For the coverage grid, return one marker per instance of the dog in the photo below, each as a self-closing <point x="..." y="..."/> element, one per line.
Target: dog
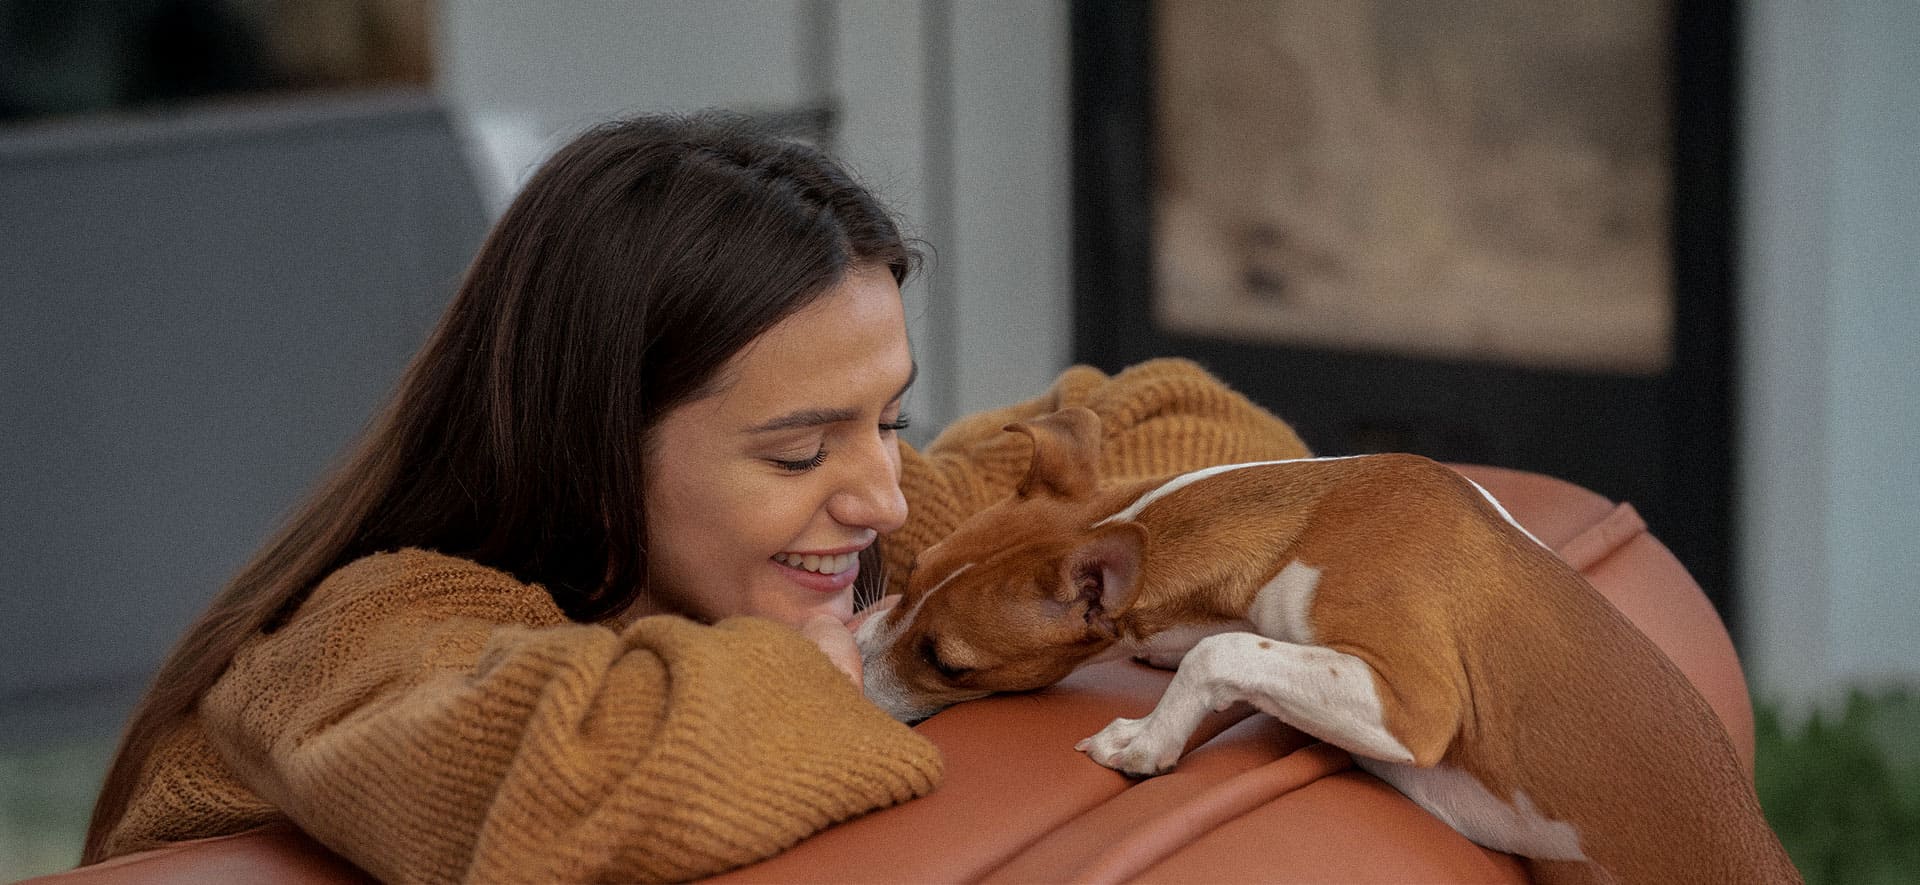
<point x="1381" y="603"/>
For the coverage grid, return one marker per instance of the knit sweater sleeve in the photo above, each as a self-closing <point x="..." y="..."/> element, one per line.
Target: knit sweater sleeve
<point x="433" y="720"/>
<point x="1159" y="417"/>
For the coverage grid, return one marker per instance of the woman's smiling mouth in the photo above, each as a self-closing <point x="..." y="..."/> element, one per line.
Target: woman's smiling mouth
<point x="832" y="564"/>
<point x="821" y="573"/>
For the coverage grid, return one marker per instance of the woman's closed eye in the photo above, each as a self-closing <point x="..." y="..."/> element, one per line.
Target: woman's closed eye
<point x="801" y="465"/>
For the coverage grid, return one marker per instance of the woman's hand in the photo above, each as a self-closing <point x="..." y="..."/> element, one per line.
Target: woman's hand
<point x="836" y="641"/>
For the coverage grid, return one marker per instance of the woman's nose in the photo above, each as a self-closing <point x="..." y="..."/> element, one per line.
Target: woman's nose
<point x="871" y="497"/>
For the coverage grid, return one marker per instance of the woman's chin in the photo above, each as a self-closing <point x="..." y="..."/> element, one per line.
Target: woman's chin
<point x="803" y="594"/>
<point x="795" y="606"/>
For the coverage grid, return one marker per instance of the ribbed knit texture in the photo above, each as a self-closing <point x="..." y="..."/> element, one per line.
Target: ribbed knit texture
<point x="433" y="720"/>
<point x="1159" y="417"/>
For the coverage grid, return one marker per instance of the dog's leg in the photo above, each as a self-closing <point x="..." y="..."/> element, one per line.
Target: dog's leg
<point x="1328" y="694"/>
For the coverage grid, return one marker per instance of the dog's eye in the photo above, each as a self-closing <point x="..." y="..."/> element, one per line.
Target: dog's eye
<point x="931" y="651"/>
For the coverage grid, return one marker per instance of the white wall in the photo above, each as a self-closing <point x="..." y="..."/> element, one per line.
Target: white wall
<point x="1830" y="503"/>
<point x="956" y="113"/>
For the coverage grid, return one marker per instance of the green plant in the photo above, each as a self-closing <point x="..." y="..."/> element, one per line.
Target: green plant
<point x="1844" y="793"/>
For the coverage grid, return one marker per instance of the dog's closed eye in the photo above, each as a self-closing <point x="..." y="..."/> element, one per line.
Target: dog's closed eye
<point x="930" y="650"/>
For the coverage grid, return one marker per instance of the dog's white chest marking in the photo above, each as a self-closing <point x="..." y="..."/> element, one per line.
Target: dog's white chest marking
<point x="1281" y="606"/>
<point x="1468" y="806"/>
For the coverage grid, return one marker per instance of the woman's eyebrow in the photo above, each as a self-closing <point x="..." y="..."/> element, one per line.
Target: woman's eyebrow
<point x="820" y="417"/>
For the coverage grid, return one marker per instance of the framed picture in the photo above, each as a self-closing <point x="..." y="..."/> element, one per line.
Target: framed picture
<point x="1491" y="232"/>
<point x="1467" y="181"/>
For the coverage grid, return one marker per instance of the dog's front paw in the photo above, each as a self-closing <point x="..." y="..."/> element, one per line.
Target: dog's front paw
<point x="1131" y="746"/>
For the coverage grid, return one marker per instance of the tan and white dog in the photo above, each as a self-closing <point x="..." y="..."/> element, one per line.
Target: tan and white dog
<point x="1384" y="604"/>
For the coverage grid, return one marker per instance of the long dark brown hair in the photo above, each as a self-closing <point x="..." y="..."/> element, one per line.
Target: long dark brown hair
<point x="631" y="267"/>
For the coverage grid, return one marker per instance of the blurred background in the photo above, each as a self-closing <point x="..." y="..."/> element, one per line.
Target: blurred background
<point x="1667" y="251"/>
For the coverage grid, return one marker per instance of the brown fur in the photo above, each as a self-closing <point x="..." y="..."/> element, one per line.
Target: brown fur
<point x="1489" y="653"/>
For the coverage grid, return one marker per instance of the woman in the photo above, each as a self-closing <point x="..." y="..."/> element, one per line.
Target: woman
<point x="579" y="448"/>
<point x="574" y="607"/>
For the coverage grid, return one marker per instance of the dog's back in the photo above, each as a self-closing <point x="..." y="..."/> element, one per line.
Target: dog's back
<point x="1560" y="699"/>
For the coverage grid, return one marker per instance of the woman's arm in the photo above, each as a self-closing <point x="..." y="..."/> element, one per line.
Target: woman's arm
<point x="431" y="719"/>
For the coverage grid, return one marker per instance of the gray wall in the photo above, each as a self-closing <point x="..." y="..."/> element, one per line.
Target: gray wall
<point x="1830" y="496"/>
<point x="200" y="311"/>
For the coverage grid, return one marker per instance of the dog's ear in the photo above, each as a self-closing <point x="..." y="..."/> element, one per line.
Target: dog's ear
<point x="1066" y="453"/>
<point x="1103" y="573"/>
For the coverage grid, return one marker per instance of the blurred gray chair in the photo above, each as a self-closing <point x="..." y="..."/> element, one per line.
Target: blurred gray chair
<point x="201" y="308"/>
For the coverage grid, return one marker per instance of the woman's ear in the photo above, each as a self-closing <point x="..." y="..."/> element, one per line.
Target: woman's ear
<point x="1066" y="453"/>
<point x="1103" y="574"/>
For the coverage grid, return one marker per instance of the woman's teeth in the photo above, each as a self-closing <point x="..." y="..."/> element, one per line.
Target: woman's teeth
<point x="826" y="565"/>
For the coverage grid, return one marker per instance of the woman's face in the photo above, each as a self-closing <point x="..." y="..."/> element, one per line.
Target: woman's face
<point x="760" y="497"/>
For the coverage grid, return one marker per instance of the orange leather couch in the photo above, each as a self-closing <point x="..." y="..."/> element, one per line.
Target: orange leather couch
<point x="1253" y="801"/>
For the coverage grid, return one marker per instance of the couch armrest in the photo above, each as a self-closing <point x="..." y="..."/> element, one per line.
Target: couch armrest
<point x="279" y="853"/>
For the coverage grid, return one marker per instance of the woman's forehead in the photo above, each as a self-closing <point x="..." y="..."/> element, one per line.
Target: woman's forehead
<point x="847" y="349"/>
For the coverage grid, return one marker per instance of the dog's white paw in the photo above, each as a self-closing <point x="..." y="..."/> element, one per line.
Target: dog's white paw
<point x="1131" y="746"/>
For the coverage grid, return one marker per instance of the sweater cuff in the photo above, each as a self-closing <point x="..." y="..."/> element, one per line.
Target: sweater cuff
<point x="784" y="746"/>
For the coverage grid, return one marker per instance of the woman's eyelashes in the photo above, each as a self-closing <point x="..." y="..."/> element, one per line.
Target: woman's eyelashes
<point x="802" y="465"/>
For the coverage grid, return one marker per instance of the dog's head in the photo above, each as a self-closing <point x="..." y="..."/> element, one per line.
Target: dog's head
<point x="1019" y="595"/>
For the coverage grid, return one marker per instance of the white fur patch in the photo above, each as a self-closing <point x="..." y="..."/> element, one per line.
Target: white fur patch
<point x="1281" y="606"/>
<point x="1186" y="479"/>
<point x="1468" y="806"/>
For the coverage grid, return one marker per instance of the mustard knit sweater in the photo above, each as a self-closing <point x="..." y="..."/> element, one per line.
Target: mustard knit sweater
<point x="434" y="720"/>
